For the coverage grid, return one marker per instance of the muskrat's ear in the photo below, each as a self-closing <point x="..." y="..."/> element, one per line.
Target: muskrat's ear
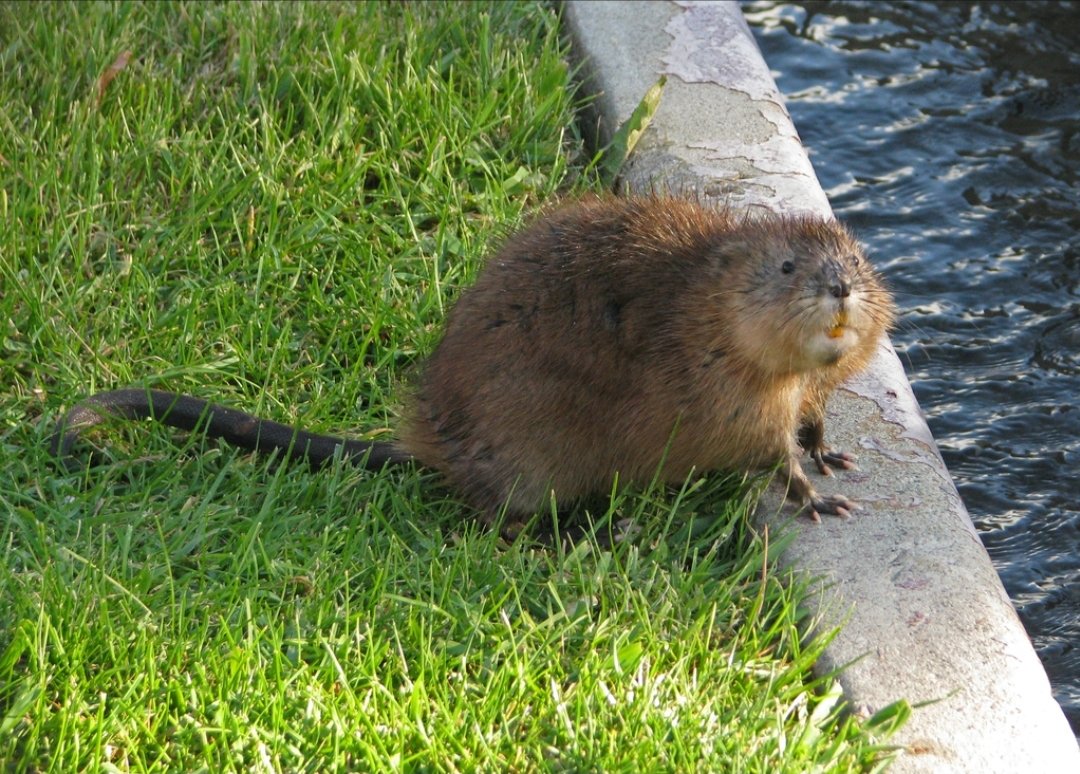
<point x="725" y="251"/>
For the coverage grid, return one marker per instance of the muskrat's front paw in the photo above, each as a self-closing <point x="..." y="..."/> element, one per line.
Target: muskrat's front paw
<point x="825" y="457"/>
<point x="837" y="505"/>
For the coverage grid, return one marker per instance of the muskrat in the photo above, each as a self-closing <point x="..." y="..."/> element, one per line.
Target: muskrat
<point x="630" y="337"/>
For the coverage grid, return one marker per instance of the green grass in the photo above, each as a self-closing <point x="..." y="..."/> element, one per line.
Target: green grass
<point x="274" y="206"/>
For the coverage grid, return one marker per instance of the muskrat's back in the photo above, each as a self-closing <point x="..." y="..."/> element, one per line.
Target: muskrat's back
<point x="634" y="336"/>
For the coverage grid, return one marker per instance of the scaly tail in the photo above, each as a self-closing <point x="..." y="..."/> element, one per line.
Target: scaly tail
<point x="236" y="427"/>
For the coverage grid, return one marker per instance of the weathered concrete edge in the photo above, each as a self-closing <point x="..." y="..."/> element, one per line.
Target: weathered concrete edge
<point x="924" y="615"/>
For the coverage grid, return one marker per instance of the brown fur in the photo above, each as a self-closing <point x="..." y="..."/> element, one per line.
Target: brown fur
<point x="612" y="337"/>
<point x="616" y="336"/>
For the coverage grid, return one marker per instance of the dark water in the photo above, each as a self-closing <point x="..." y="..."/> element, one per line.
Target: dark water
<point x="948" y="136"/>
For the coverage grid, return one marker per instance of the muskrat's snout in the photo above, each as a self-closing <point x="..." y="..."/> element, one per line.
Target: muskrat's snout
<point x="833" y="328"/>
<point x="836" y="279"/>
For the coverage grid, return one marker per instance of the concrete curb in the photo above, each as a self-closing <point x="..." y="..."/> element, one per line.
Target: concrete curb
<point x="924" y="615"/>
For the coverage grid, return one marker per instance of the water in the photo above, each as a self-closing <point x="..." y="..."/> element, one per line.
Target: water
<point x="948" y="136"/>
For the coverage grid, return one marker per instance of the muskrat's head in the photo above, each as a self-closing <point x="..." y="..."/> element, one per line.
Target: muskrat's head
<point x="805" y="296"/>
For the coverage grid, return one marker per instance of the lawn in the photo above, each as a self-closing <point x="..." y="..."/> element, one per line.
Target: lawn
<point x="273" y="206"/>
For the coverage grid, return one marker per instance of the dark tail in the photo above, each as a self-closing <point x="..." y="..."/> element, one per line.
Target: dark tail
<point x="236" y="427"/>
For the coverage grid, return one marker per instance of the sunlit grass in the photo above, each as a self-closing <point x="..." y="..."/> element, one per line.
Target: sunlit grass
<point x="273" y="205"/>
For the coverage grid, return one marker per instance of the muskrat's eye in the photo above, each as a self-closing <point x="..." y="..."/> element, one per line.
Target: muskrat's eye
<point x="787" y="267"/>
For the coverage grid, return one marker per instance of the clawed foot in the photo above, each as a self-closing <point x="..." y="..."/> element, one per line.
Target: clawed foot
<point x="837" y="505"/>
<point x="825" y="457"/>
<point x="802" y="491"/>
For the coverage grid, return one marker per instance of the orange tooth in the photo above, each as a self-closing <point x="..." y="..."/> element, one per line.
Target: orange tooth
<point x="839" y="322"/>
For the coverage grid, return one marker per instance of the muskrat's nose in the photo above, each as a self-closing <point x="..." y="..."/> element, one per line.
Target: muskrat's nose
<point x="835" y="280"/>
